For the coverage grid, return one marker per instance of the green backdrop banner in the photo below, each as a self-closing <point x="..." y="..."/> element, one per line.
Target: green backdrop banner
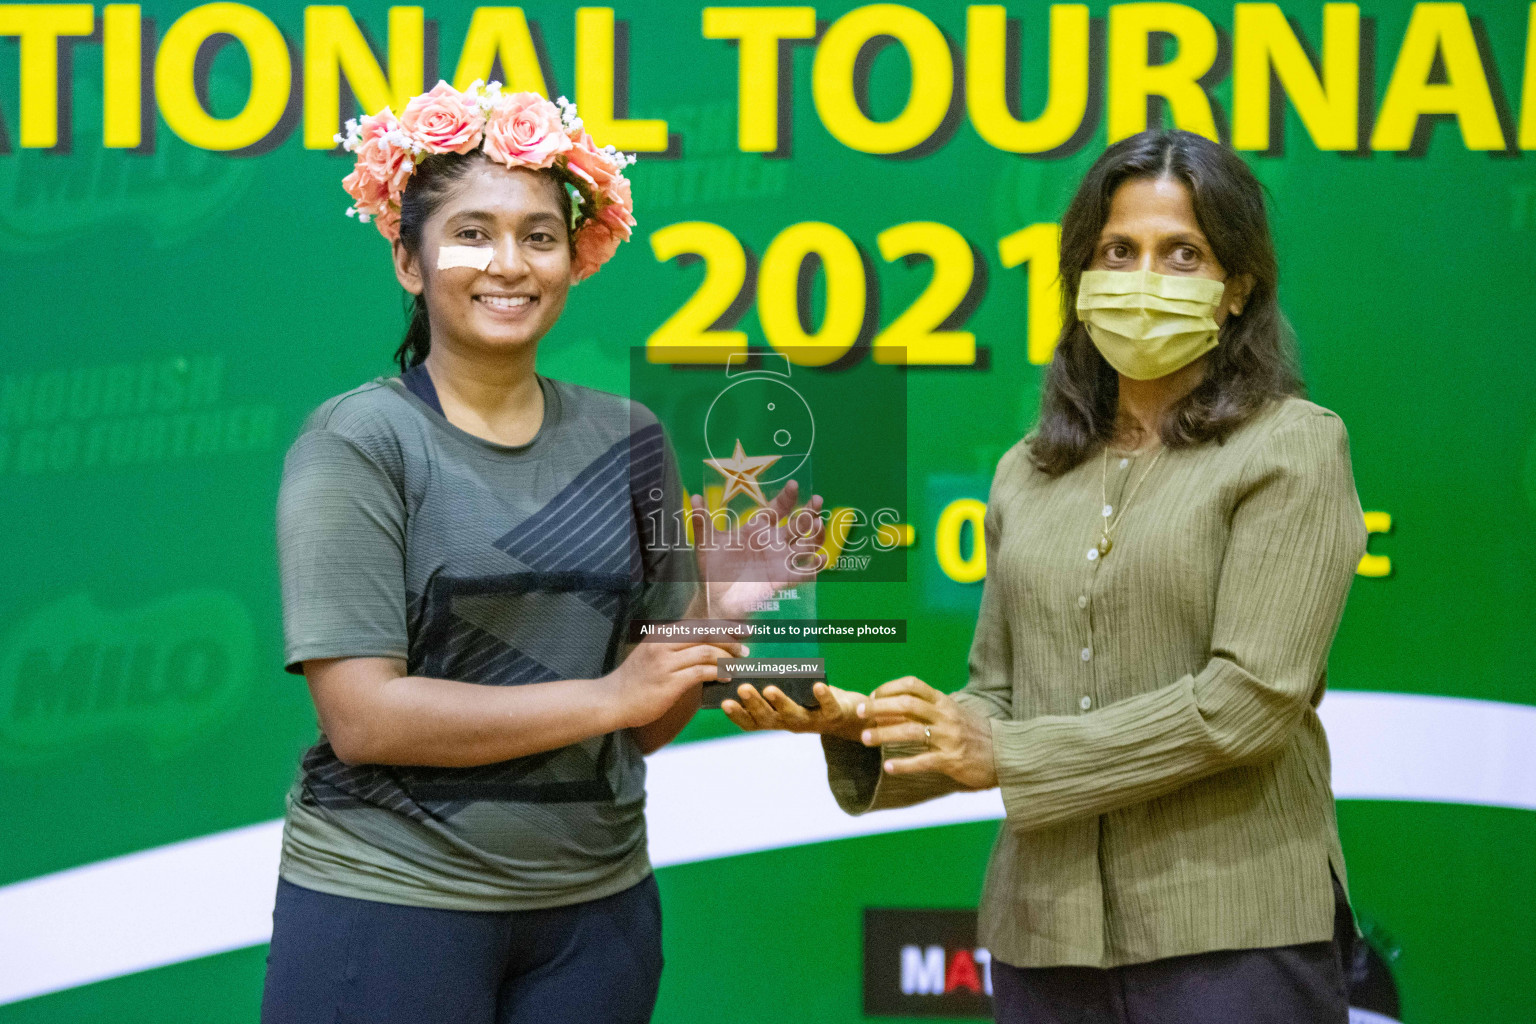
<point x="181" y="287"/>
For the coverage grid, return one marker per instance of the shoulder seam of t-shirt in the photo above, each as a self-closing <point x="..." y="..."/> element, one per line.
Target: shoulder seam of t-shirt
<point x="361" y="389"/>
<point x="375" y="385"/>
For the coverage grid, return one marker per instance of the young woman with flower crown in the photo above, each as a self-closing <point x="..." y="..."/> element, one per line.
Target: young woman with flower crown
<point x="462" y="550"/>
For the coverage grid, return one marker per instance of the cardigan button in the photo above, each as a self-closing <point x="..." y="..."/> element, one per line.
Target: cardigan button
<point x="1085" y="703"/>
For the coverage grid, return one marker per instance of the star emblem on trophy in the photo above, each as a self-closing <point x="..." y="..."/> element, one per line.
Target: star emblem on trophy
<point x="741" y="472"/>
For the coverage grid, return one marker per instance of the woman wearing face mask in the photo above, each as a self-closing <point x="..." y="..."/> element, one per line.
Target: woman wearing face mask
<point x="462" y="549"/>
<point x="1168" y="555"/>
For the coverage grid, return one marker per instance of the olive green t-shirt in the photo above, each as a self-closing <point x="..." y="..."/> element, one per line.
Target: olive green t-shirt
<point x="401" y="536"/>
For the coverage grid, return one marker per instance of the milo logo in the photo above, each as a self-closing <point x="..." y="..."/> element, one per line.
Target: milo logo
<point x="172" y="191"/>
<point x="73" y="674"/>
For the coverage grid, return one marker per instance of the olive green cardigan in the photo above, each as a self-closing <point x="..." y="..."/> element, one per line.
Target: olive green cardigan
<point x="1154" y="723"/>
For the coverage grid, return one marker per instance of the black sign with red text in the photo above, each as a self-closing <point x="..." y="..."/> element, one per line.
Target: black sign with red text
<point x="925" y="963"/>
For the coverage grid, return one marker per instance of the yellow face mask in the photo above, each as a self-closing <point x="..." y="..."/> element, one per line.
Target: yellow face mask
<point x="1148" y="325"/>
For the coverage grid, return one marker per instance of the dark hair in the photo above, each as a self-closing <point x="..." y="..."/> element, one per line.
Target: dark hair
<point x="1254" y="361"/>
<point x="429" y="186"/>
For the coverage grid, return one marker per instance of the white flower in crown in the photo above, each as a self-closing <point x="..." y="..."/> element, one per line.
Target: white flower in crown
<point x="485" y="95"/>
<point x="349" y="138"/>
<point x="618" y="156"/>
<point x="568" y="116"/>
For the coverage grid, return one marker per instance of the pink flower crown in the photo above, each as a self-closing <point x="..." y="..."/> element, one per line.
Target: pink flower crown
<point x="520" y="129"/>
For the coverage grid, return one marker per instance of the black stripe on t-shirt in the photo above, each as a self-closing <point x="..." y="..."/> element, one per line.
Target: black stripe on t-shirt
<point x="419" y="383"/>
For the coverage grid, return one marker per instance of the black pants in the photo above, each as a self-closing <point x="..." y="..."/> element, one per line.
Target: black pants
<point x="1301" y="984"/>
<point x="337" y="960"/>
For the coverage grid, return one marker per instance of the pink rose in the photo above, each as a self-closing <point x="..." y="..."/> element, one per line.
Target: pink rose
<point x="383" y="164"/>
<point x="370" y="194"/>
<point x="616" y="207"/>
<point x="388" y="163"/>
<point x="590" y="164"/>
<point x="596" y="243"/>
<point x="388" y="222"/>
<point x="617" y="218"/>
<point x="524" y="131"/>
<point x="444" y="120"/>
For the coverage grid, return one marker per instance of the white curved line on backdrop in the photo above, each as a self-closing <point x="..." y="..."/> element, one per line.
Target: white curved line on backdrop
<point x="1359" y="1016"/>
<point x="717" y="798"/>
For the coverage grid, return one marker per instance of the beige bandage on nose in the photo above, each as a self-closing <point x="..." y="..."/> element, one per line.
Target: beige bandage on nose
<point x="476" y="257"/>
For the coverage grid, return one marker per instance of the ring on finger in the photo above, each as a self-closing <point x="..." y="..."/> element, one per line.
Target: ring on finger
<point x="927" y="735"/>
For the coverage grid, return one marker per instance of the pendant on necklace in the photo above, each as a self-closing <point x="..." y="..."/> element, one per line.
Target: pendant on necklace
<point x="1105" y="544"/>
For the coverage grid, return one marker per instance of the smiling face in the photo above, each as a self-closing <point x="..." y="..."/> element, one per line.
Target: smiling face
<point x="1152" y="226"/>
<point x="513" y="302"/>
